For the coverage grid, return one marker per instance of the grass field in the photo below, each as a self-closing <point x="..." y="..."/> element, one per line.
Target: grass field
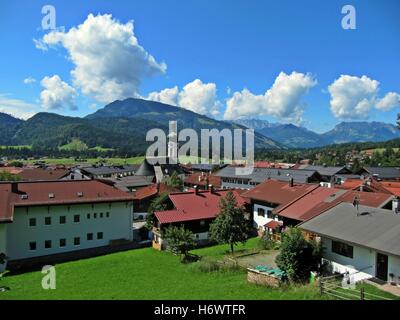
<point x="149" y="274"/>
<point x="146" y="274"/>
<point x="72" y="161"/>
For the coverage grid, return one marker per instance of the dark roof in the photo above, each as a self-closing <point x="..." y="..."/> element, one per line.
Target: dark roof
<point x="125" y="183"/>
<point x="327" y="171"/>
<point x="62" y="192"/>
<point x="384" y="172"/>
<point x="261" y="174"/>
<point x="145" y="169"/>
<point x="378" y="229"/>
<point x="103" y="170"/>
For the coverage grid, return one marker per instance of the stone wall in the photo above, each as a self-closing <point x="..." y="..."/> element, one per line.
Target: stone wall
<point x="253" y="276"/>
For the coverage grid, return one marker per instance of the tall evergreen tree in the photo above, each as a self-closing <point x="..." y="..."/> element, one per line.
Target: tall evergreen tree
<point x="231" y="225"/>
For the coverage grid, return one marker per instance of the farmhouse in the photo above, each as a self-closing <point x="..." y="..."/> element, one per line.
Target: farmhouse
<point x="195" y="210"/>
<point x="363" y="241"/>
<point x="50" y="218"/>
<point x="268" y="197"/>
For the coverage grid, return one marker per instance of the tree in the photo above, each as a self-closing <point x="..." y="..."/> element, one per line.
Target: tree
<point x="174" y="181"/>
<point x="179" y="239"/>
<point x="230" y="226"/>
<point x="6" y="176"/>
<point x="3" y="259"/>
<point x="298" y="256"/>
<point x="157" y="204"/>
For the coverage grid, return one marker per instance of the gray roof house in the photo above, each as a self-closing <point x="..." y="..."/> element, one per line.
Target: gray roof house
<point x="229" y="178"/>
<point x="327" y="172"/>
<point x="385" y="173"/>
<point x="364" y="241"/>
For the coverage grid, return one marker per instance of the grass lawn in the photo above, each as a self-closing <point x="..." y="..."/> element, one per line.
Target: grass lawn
<point x="146" y="274"/>
<point x="89" y="161"/>
<point x="150" y="274"/>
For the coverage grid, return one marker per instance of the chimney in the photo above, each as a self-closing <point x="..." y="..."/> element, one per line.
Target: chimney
<point x="396" y="205"/>
<point x="196" y="190"/>
<point x="211" y="188"/>
<point x="291" y="182"/>
<point x="14" y="187"/>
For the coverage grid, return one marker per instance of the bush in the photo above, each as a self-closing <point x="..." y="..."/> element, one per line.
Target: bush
<point x="265" y="242"/>
<point x="209" y="264"/>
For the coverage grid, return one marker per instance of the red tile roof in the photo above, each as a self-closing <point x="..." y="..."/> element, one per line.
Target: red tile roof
<point x="322" y="199"/>
<point x="192" y="206"/>
<point x="391" y="186"/>
<point x="273" y="224"/>
<point x="39" y="174"/>
<point x="351" y="184"/>
<point x="152" y="190"/>
<point x="63" y="192"/>
<point x="278" y="192"/>
<point x="202" y="179"/>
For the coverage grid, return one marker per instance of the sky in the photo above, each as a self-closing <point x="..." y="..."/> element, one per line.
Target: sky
<point x="282" y="61"/>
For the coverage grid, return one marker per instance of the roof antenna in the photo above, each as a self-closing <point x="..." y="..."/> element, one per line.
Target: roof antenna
<point x="356" y="202"/>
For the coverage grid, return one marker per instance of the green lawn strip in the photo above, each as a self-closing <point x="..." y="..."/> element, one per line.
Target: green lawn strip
<point x="144" y="274"/>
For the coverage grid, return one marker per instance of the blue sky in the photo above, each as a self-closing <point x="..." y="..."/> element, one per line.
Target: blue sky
<point x="227" y="45"/>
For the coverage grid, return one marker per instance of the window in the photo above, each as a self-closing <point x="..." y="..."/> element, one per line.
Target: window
<point x="101" y="214"/>
<point x="32" y="245"/>
<point x="63" y="219"/>
<point x="88" y="216"/>
<point x="202" y="223"/>
<point x="99" y="235"/>
<point x="89" y="236"/>
<point x="269" y="214"/>
<point x="95" y="215"/>
<point x="77" y="241"/>
<point x="47" y="221"/>
<point x="47" y="244"/>
<point x="261" y="212"/>
<point x="77" y="218"/>
<point x="107" y="214"/>
<point x="342" y="248"/>
<point x="63" y="243"/>
<point x="32" y="222"/>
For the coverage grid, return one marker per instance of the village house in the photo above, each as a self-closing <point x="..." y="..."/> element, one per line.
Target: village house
<point x="268" y="197"/>
<point x="381" y="173"/>
<point x="98" y="172"/>
<point x="327" y="173"/>
<point x="195" y="210"/>
<point x="230" y="180"/>
<point x="361" y="240"/>
<point x="202" y="181"/>
<point x="53" y="218"/>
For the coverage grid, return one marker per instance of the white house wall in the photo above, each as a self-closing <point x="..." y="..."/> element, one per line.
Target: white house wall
<point x="19" y="233"/>
<point x="3" y="242"/>
<point x="260" y="221"/>
<point x="363" y="264"/>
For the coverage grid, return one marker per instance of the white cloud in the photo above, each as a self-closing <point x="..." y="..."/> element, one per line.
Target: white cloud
<point x="109" y="62"/>
<point x="17" y="108"/>
<point x="29" y="80"/>
<point x="283" y="100"/>
<point x="353" y="97"/>
<point x="168" y="96"/>
<point x="388" y="102"/>
<point x="196" y="96"/>
<point x="57" y="94"/>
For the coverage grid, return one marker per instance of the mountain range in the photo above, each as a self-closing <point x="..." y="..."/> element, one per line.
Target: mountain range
<point x="122" y="126"/>
<point x="294" y="136"/>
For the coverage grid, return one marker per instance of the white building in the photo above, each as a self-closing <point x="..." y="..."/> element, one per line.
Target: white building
<point x="363" y="241"/>
<point x="46" y="218"/>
